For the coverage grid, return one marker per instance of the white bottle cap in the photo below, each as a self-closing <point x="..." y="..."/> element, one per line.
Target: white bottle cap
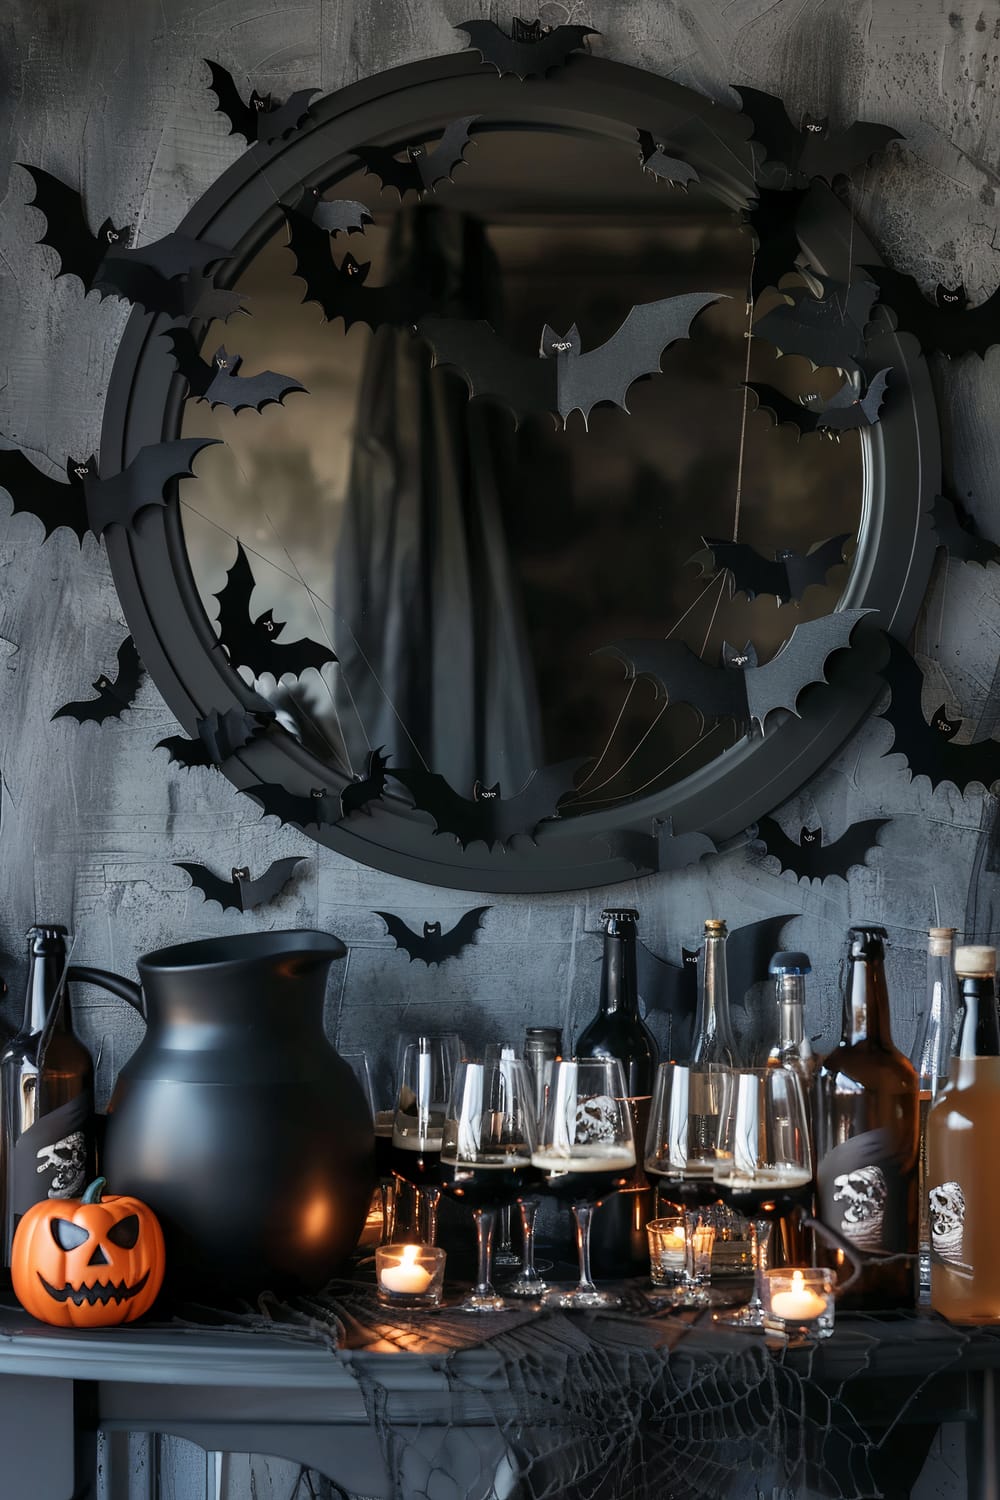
<point x="940" y="939"/>
<point x="975" y="961"/>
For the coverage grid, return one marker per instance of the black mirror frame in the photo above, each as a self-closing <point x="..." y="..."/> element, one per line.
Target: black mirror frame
<point x="901" y="475"/>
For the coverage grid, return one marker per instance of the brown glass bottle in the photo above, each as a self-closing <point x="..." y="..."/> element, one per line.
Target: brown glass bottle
<point x="867" y="1130"/>
<point x="961" y="1156"/>
<point x="619" y="1244"/>
<point x="46" y="1092"/>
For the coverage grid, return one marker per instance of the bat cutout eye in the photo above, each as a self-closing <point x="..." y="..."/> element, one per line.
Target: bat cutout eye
<point x="241" y="872"/>
<point x="68" y="1236"/>
<point x="101" y="684"/>
<point x="811" y="835"/>
<point x="318" y="792"/>
<point x="125" y="1233"/>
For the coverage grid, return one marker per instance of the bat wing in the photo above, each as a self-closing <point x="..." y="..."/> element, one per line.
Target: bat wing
<point x="537" y="801"/>
<point x="222" y="734"/>
<point x="801" y="661"/>
<point x="112" y="696"/>
<point x="927" y="751"/>
<point x="836" y="155"/>
<point x="670" y="990"/>
<point x="790" y="856"/>
<point x="276" y="123"/>
<point x="270" y="884"/>
<point x="717" y="692"/>
<point x="773" y="223"/>
<point x="213" y="887"/>
<point x="555" y="46"/>
<point x="367" y="788"/>
<point x="826" y="331"/>
<point x="188" y="361"/>
<point x="248" y="641"/>
<point x="290" y="658"/>
<point x="185" y="752"/>
<point x="814" y="566"/>
<point x="665" y="168"/>
<point x="525" y="59"/>
<point x="852" y="848"/>
<point x="449" y="152"/>
<point x="489" y="367"/>
<point x="340" y="216"/>
<point x="635" y="350"/>
<point x="934" y="327"/>
<point x="412" y="943"/>
<point x="404" y="176"/>
<point x="126" y="683"/>
<point x="953" y="531"/>
<point x="143" y="482"/>
<point x="752" y="573"/>
<point x="234" y="605"/>
<point x="318" y="810"/>
<point x="53" y="502"/>
<point x="772" y="128"/>
<point x="749" y="950"/>
<point x="173" y="255"/>
<point x="229" y="388"/>
<point x="66" y="229"/>
<point x="199" y="297"/>
<point x="492" y="820"/>
<point x="783" y="409"/>
<point x="450" y="944"/>
<point x="243" y="119"/>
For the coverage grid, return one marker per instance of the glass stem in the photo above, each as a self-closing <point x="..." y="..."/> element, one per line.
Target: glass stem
<point x="583" y="1213"/>
<point x="760" y="1240"/>
<point x="431" y="1198"/>
<point x="485" y="1223"/>
<point x="505" y="1243"/>
<point x="529" y="1209"/>
<point x="692" y="1217"/>
<point x="387" y="1198"/>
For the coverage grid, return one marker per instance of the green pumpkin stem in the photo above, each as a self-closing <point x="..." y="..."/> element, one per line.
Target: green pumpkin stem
<point x="93" y="1193"/>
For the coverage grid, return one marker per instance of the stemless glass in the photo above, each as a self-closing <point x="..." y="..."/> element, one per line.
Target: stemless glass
<point x="486" y="1157"/>
<point x="763" y="1162"/>
<point x="586" y="1149"/>
<point x="680" y="1153"/>
<point x="425" y="1080"/>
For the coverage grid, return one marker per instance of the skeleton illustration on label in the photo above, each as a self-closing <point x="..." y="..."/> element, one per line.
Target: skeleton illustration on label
<point x="863" y="1194"/>
<point x="947" y="1206"/>
<point x="67" y="1161"/>
<point x="596" y="1120"/>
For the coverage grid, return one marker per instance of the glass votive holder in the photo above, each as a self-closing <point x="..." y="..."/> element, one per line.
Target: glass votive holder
<point x="667" y="1250"/>
<point x="800" y="1302"/>
<point x="409" y="1275"/>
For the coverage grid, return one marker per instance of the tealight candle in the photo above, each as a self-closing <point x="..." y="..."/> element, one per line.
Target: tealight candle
<point x="800" y="1301"/>
<point x="799" y="1305"/>
<point x="409" y="1275"/>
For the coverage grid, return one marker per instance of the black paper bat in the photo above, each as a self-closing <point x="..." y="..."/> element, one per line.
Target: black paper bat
<point x="365" y="789"/>
<point x="827" y="330"/>
<point x="845" y="411"/>
<point x="159" y="277"/>
<point x="787" y="575"/>
<point x="957" y="531"/>
<point x="812" y="151"/>
<point x="334" y="215"/>
<point x="434" y="946"/>
<point x="341" y="291"/>
<point x="948" y="324"/>
<point x="220" y="735"/>
<point x="529" y="51"/>
<point x="663" y="850"/>
<point x="749" y="950"/>
<point x="240" y="893"/>
<point x="928" y="748"/>
<point x="488" y="817"/>
<point x="113" y="697"/>
<point x="422" y="170"/>
<point x="563" y="379"/>
<point x="812" y="858"/>
<point x="739" y="688"/>
<point x="219" y="382"/>
<point x="658" y="163"/>
<point x="253" y="642"/>
<point x="772" y="222"/>
<point x="318" y="809"/>
<point x="262" y="118"/>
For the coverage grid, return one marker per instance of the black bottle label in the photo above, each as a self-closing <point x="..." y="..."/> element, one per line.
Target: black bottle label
<point x="863" y="1187"/>
<point x="53" y="1157"/>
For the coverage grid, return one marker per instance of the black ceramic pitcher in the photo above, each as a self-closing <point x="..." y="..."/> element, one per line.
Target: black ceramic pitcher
<point x="236" y="1120"/>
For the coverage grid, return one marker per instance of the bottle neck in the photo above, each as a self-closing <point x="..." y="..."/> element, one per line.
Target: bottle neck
<point x="791" y="995"/>
<point x="980" y="1035"/>
<point x="713" y="1031"/>
<point x="619" y="984"/>
<point x="936" y="1039"/>
<point x="46" y="988"/>
<point x="866" y="1003"/>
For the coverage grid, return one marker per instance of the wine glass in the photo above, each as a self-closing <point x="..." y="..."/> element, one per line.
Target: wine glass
<point x="489" y="1137"/>
<point x="586" y="1149"/>
<point x="425" y="1079"/>
<point x="680" y="1152"/>
<point x="382" y="1121"/>
<point x="763" y="1161"/>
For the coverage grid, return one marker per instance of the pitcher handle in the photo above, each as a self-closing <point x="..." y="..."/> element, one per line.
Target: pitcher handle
<point x="125" y="989"/>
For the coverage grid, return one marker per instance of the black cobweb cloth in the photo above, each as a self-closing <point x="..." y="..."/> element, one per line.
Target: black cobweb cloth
<point x="629" y="1404"/>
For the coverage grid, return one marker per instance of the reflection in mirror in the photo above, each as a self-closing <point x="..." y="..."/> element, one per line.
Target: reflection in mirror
<point x="465" y="570"/>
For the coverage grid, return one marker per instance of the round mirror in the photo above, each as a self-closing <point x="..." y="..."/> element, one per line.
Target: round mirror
<point x="406" y="561"/>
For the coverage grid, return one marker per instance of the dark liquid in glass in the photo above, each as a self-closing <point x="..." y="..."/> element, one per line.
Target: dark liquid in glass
<point x="588" y="1179"/>
<point x="383" y="1144"/>
<point x="693" y="1190"/>
<point x="422" y="1167"/>
<point x="766" y="1201"/>
<point x="489" y="1183"/>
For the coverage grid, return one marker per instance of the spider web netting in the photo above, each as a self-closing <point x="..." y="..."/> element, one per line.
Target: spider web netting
<point x="628" y="1405"/>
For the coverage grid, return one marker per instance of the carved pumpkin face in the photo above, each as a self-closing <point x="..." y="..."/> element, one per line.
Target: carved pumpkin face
<point x="88" y="1262"/>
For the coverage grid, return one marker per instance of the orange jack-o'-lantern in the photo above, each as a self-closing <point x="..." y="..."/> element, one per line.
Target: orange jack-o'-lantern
<point x="88" y="1262"/>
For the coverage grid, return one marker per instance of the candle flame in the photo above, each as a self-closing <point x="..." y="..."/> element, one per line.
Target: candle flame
<point x="798" y="1281"/>
<point x="410" y="1253"/>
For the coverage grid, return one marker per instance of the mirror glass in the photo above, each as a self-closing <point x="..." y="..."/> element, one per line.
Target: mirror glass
<point x="467" y="571"/>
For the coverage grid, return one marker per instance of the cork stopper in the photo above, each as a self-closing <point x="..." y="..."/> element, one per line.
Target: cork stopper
<point x="975" y="962"/>
<point x="714" y="926"/>
<point x="940" y="940"/>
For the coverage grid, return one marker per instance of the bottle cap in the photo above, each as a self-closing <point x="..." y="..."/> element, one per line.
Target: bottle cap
<point x="46" y="930"/>
<point x="790" y="963"/>
<point x="866" y="941"/>
<point x="975" y="962"/>
<point x="543" y="1033"/>
<point x="613" y="912"/>
<point x="714" y="924"/>
<point x="940" y="939"/>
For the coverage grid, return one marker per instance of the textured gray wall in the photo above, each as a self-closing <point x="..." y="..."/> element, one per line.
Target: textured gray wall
<point x="112" y="95"/>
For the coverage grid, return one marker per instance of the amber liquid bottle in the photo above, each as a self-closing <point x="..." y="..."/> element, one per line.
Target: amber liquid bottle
<point x="47" y="1093"/>
<point x="962" y="1156"/>
<point x="619" y="1244"/>
<point x="867" y="1136"/>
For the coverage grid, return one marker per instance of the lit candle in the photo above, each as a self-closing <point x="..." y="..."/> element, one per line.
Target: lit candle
<point x="799" y="1304"/>
<point x="407" y="1276"/>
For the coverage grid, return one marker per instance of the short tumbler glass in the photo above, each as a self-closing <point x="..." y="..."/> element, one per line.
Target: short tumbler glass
<point x="409" y="1275"/>
<point x="799" y="1303"/>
